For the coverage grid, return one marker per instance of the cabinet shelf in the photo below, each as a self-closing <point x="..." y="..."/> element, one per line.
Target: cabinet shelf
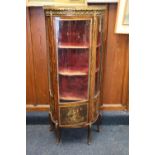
<point x="71" y="98"/>
<point x="73" y="72"/>
<point x="73" y="46"/>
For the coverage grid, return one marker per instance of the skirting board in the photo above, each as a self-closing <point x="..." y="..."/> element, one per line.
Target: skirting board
<point x="105" y="107"/>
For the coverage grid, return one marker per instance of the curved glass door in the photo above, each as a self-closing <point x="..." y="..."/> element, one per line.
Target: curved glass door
<point x="73" y="46"/>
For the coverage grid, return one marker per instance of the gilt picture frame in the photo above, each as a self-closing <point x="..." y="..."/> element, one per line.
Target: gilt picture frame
<point x="36" y="3"/>
<point x="122" y="18"/>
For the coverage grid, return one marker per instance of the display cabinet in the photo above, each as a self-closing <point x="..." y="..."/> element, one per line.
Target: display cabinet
<point x="75" y="45"/>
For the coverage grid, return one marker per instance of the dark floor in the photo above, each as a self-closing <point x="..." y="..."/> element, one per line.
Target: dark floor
<point x="113" y="138"/>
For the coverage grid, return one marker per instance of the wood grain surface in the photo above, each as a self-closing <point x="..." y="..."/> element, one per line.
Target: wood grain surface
<point x="115" y="65"/>
<point x="30" y="81"/>
<point x="39" y="60"/>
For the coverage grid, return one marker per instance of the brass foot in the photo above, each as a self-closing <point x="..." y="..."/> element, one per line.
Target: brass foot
<point x="89" y="135"/>
<point x="57" y="130"/>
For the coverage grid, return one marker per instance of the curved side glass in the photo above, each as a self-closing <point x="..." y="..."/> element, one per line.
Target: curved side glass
<point x="99" y="48"/>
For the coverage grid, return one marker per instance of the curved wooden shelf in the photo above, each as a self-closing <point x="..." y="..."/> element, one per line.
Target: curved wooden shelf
<point x="73" y="73"/>
<point x="71" y="98"/>
<point x="73" y="46"/>
<point x="76" y="46"/>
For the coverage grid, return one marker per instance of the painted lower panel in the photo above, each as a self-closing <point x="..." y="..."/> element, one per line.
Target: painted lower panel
<point x="73" y="115"/>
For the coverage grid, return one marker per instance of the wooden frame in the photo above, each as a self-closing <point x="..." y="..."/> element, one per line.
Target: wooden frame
<point x="55" y="2"/>
<point x="122" y="19"/>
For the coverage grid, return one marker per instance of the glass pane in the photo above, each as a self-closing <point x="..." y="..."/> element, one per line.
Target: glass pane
<point x="73" y="58"/>
<point x="98" y="54"/>
<point x="73" y="61"/>
<point x="73" y="32"/>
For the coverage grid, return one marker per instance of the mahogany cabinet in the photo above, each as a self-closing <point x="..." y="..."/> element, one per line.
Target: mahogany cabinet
<point x="74" y="44"/>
